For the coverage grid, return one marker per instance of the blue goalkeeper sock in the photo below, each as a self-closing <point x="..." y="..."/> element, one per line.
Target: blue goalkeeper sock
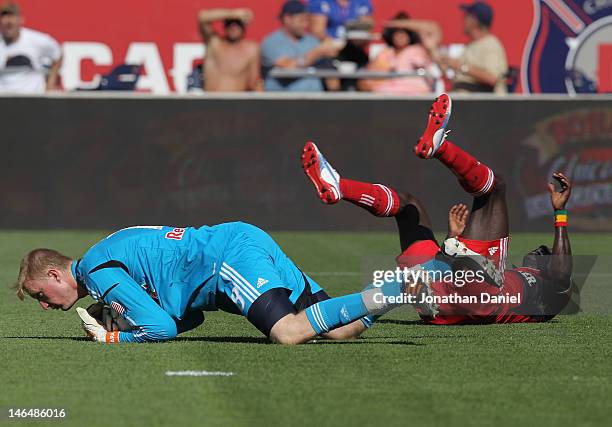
<point x="335" y="312"/>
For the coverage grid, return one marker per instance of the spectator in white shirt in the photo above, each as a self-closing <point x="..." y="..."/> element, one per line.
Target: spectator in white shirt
<point x="29" y="60"/>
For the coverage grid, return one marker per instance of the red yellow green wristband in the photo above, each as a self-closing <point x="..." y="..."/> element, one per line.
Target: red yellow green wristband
<point x="561" y="218"/>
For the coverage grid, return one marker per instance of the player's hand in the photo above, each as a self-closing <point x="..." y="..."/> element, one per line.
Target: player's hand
<point x="91" y="326"/>
<point x="560" y="198"/>
<point x="457" y="219"/>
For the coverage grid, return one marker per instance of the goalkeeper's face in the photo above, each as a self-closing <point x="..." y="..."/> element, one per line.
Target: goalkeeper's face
<point x="57" y="290"/>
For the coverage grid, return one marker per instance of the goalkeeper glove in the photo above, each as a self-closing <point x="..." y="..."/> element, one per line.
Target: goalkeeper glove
<point x="96" y="331"/>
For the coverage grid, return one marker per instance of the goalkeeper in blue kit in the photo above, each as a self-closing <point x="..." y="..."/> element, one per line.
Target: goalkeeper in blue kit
<point x="161" y="280"/>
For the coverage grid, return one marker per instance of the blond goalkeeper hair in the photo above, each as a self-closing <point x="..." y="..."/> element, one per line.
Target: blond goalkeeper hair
<point x="34" y="266"/>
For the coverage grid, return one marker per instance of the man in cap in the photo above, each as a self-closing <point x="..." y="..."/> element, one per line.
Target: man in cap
<point x="482" y="66"/>
<point x="232" y="62"/>
<point x="291" y="47"/>
<point x="29" y="60"/>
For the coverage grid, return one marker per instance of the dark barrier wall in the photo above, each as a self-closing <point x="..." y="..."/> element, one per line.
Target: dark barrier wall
<point x="107" y="163"/>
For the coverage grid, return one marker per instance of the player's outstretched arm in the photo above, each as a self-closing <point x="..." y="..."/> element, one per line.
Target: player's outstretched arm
<point x="560" y="265"/>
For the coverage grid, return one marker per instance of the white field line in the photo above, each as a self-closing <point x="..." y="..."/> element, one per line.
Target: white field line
<point x="199" y="374"/>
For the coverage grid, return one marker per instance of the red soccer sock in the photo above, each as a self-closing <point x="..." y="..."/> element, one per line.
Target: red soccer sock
<point x="378" y="199"/>
<point x="475" y="178"/>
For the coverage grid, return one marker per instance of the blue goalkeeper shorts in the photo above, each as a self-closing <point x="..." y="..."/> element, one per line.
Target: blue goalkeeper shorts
<point x="257" y="280"/>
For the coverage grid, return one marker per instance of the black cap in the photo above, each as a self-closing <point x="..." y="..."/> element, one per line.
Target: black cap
<point x="292" y="7"/>
<point x="481" y="11"/>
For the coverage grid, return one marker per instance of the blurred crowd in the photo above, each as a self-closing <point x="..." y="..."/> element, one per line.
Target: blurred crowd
<point x="319" y="45"/>
<point x="331" y="45"/>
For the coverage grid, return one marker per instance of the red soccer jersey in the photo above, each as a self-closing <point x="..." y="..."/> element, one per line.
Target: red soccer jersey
<point x="487" y="303"/>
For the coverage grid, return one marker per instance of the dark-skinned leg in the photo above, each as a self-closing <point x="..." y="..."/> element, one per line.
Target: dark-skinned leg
<point x="489" y="217"/>
<point x="412" y="220"/>
<point x="487" y="229"/>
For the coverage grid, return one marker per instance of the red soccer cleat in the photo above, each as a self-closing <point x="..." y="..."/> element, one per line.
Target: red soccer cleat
<point x="435" y="132"/>
<point x="324" y="177"/>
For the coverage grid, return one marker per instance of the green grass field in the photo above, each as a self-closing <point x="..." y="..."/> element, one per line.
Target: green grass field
<point x="400" y="373"/>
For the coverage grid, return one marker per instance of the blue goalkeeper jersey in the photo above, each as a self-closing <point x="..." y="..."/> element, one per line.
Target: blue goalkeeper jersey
<point x="159" y="278"/>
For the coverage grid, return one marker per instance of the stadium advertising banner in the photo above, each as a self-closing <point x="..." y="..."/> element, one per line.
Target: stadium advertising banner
<point x="105" y="163"/>
<point x="577" y="142"/>
<point x="559" y="46"/>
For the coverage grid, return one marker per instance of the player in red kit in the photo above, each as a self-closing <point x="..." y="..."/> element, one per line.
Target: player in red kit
<point x="535" y="292"/>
